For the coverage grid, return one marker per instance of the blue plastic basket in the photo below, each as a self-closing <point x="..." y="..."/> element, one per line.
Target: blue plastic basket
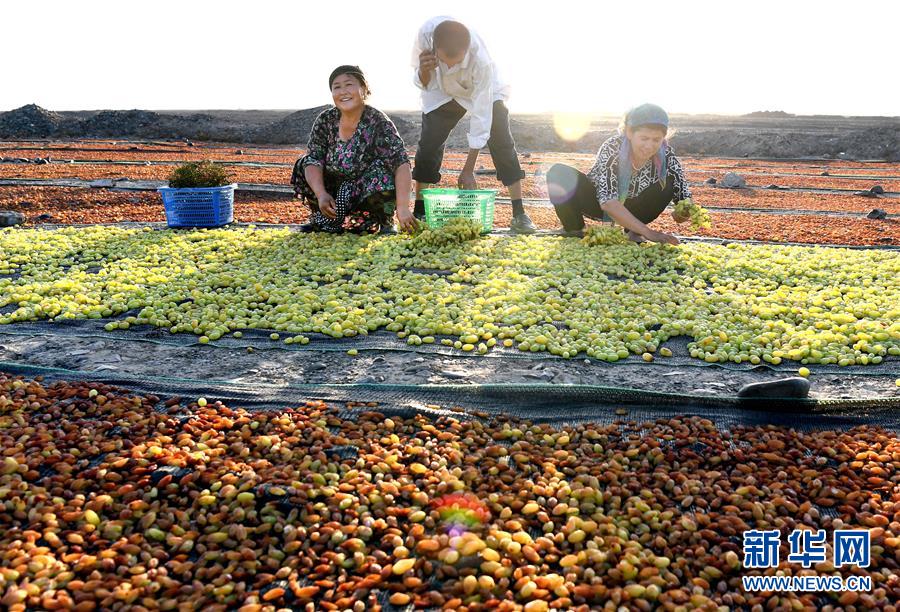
<point x="199" y="207"/>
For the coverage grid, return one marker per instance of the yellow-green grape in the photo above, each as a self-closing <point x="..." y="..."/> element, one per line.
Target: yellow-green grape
<point x="604" y="236"/>
<point x="740" y="303"/>
<point x="455" y="231"/>
<point x="698" y="215"/>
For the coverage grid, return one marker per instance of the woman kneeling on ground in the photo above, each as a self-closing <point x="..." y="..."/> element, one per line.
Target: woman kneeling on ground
<point x="636" y="175"/>
<point x="356" y="172"/>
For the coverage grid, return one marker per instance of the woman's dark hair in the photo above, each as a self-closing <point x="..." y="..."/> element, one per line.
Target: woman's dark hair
<point x="353" y="71"/>
<point x="452" y="38"/>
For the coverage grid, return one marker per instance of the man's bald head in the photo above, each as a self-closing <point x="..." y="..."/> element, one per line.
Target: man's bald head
<point x="452" y="39"/>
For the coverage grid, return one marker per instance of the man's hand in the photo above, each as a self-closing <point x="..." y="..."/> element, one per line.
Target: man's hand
<point x="467" y="180"/>
<point x="662" y="237"/>
<point x="428" y="61"/>
<point x="327" y="205"/>
<point x="408" y="222"/>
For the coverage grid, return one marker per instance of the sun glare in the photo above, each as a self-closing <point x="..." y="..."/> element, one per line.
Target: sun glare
<point x="571" y="126"/>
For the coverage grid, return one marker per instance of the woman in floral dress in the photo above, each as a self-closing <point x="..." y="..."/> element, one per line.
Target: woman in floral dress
<point x="356" y="172"/>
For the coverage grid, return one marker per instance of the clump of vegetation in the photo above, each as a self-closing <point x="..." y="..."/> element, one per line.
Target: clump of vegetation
<point x="199" y="174"/>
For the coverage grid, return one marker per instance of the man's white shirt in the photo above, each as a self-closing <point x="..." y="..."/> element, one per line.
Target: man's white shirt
<point x="474" y="83"/>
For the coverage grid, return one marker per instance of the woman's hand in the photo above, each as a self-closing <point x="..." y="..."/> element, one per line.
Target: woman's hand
<point x="407" y="221"/>
<point x="662" y="237"/>
<point x="403" y="182"/>
<point x="623" y="217"/>
<point x="327" y="205"/>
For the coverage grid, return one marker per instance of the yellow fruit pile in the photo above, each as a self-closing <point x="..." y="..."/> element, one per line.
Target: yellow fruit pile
<point x="604" y="235"/>
<point x="455" y="231"/>
<point x="739" y="303"/>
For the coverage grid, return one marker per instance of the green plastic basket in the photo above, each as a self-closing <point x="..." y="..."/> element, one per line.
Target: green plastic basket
<point x="477" y="205"/>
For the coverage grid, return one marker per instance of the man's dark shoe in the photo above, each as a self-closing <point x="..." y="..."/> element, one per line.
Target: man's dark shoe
<point x="522" y="224"/>
<point x="579" y="233"/>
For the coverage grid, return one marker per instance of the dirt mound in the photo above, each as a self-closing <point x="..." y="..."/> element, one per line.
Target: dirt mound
<point x="147" y="124"/>
<point x="773" y="134"/>
<point x="117" y="124"/>
<point x="870" y="143"/>
<point x="408" y="130"/>
<point x="293" y="129"/>
<point x="769" y="115"/>
<point x="30" y="121"/>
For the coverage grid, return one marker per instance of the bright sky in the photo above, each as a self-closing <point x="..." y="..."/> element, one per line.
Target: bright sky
<point x="828" y="57"/>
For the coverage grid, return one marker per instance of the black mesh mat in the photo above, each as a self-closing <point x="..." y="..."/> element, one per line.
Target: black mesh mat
<point x="560" y="405"/>
<point x="382" y="340"/>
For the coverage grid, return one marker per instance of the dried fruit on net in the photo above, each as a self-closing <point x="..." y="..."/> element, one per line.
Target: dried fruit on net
<point x="738" y="303"/>
<point x="697" y="214"/>
<point x="109" y="504"/>
<point x="604" y="235"/>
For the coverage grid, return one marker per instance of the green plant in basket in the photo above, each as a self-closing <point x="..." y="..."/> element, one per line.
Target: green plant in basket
<point x="194" y="175"/>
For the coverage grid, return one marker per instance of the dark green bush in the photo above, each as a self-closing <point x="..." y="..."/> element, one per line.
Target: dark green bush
<point x="199" y="174"/>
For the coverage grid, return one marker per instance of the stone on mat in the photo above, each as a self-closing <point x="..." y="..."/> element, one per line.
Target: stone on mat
<point x="9" y="218"/>
<point x="794" y="387"/>
<point x="733" y="181"/>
